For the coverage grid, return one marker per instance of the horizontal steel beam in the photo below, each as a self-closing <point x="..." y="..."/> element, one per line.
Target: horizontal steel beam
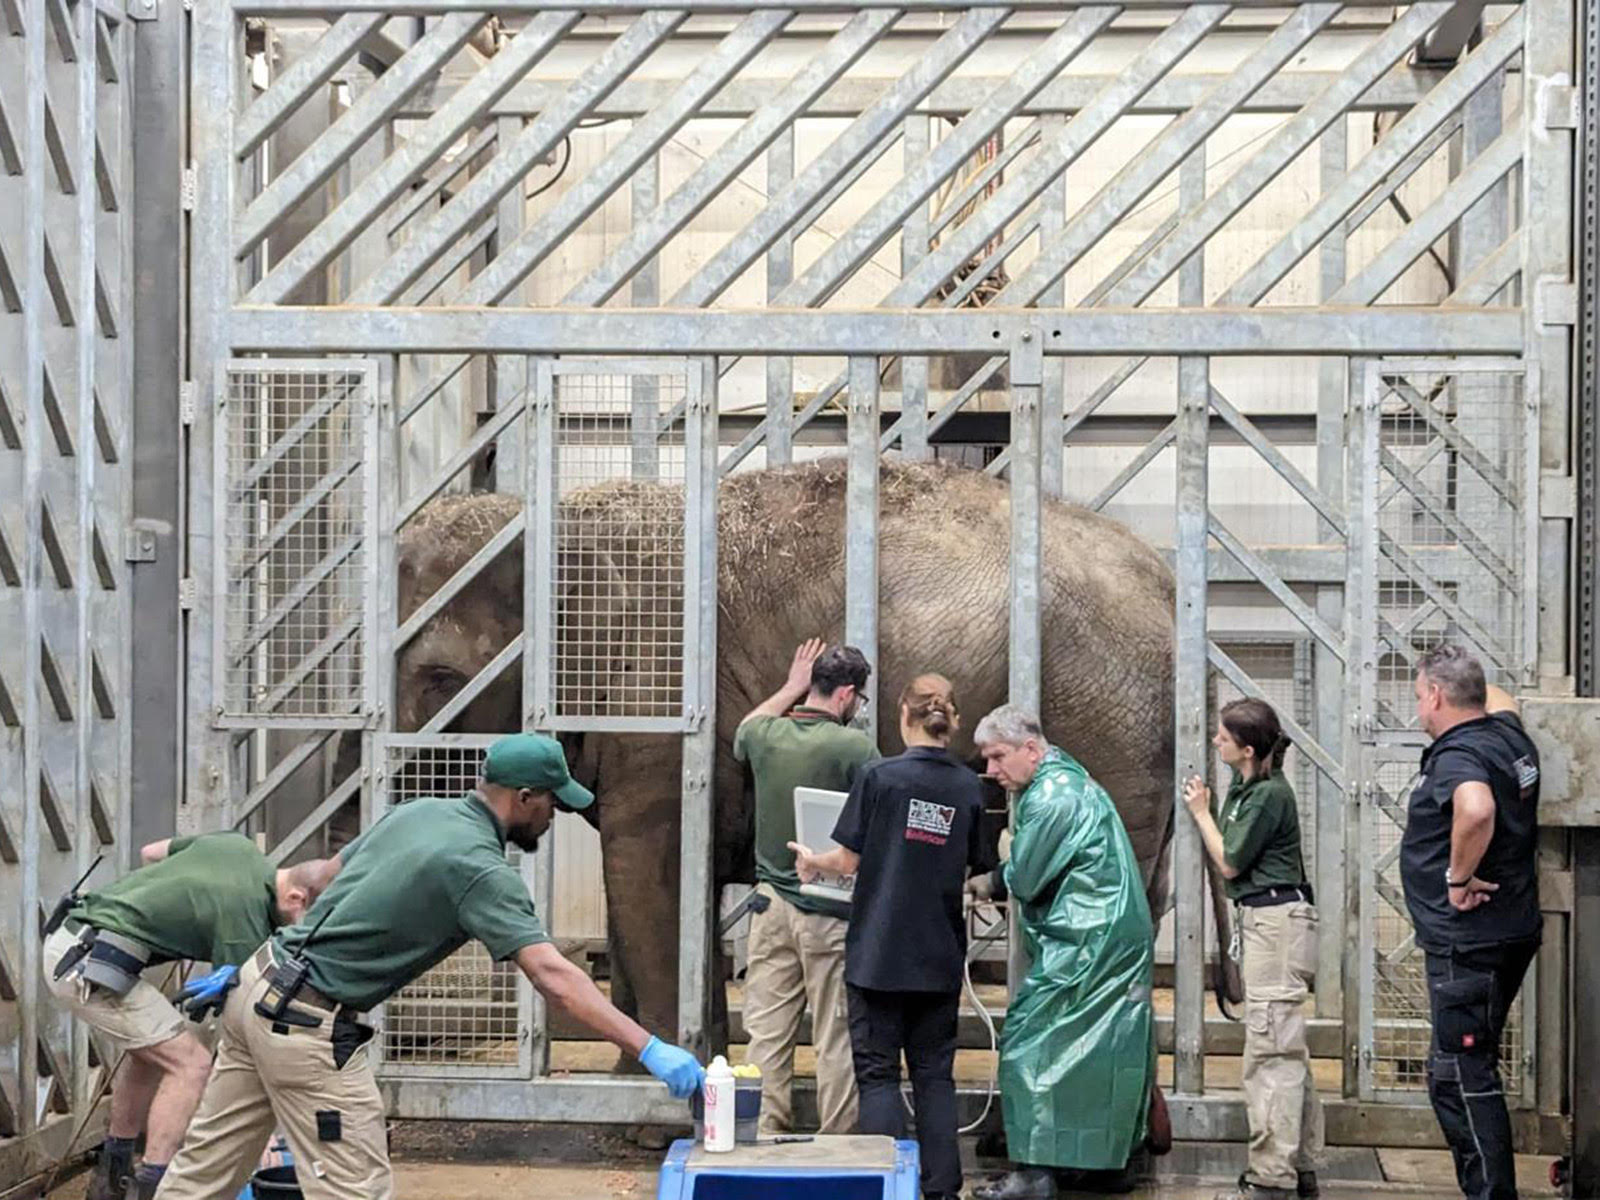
<point x="508" y="8"/>
<point x="1287" y="92"/>
<point x="1393" y="329"/>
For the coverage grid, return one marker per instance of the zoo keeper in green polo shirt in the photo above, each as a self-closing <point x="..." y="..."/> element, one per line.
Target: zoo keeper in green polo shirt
<point x="1254" y="838"/>
<point x="797" y="945"/>
<point x="414" y="888"/>
<point x="212" y="898"/>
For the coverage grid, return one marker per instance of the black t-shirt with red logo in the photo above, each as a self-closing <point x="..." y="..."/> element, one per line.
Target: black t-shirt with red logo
<point x="1497" y="751"/>
<point x="913" y="819"/>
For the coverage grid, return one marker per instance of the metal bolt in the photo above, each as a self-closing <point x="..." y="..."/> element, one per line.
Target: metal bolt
<point x="1027" y="335"/>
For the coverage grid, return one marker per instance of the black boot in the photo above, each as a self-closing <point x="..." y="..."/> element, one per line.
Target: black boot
<point x="111" y="1171"/>
<point x="1024" y="1183"/>
<point x="1307" y="1188"/>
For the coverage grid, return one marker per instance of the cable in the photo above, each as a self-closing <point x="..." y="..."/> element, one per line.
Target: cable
<point x="566" y="161"/>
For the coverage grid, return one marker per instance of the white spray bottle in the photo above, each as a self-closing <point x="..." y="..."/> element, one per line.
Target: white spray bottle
<point x="720" y="1106"/>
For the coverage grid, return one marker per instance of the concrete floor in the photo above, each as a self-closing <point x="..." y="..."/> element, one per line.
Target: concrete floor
<point x="1415" y="1174"/>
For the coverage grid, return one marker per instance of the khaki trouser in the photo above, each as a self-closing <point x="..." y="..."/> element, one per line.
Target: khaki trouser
<point x="269" y="1074"/>
<point x="796" y="959"/>
<point x="142" y="1018"/>
<point x="1280" y="960"/>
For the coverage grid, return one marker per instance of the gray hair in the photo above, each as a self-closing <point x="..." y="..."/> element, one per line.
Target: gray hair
<point x="1010" y="726"/>
<point x="1458" y="674"/>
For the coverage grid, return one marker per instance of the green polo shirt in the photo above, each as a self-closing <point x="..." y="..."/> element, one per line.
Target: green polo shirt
<point x="806" y="748"/>
<point x="1261" y="834"/>
<point x="212" y="899"/>
<point x="412" y="890"/>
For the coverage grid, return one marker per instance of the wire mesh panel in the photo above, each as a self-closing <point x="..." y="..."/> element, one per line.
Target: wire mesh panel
<point x="609" y="469"/>
<point x="1444" y="532"/>
<point x="296" y="465"/>
<point x="468" y="1015"/>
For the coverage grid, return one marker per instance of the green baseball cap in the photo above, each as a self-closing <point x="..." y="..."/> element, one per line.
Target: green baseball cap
<point x="530" y="760"/>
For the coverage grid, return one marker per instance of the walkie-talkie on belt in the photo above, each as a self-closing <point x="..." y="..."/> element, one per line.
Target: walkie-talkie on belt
<point x="288" y="977"/>
<point x="69" y="899"/>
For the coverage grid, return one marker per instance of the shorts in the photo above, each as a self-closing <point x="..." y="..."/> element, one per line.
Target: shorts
<point x="144" y="1017"/>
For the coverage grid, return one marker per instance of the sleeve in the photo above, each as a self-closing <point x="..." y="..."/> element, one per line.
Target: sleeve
<point x="179" y="844"/>
<point x="868" y="753"/>
<point x="1049" y="836"/>
<point x="850" y="831"/>
<point x="1451" y="768"/>
<point x="749" y="731"/>
<point x="496" y="909"/>
<point x="1248" y="834"/>
<point x="975" y="855"/>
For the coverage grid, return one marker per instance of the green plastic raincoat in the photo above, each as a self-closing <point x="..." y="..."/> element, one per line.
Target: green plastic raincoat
<point x="1076" y="1056"/>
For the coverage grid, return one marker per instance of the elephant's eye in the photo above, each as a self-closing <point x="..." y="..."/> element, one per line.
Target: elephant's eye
<point x="443" y="679"/>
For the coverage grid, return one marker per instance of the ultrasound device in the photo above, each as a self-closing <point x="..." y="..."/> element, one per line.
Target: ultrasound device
<point x="816" y="812"/>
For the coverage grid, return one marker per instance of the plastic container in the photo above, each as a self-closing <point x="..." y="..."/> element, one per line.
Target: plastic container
<point x="721" y="1107"/>
<point x="746" y="1107"/>
<point x="808" y="1171"/>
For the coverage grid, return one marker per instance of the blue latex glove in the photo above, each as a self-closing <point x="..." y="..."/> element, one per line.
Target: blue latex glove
<point x="674" y="1066"/>
<point x="208" y="993"/>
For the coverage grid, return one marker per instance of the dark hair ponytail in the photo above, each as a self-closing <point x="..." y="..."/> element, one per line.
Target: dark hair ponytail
<point x="930" y="701"/>
<point x="1253" y="723"/>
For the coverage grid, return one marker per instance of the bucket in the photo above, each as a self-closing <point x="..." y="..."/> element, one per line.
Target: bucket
<point x="746" y="1110"/>
<point x="275" y="1183"/>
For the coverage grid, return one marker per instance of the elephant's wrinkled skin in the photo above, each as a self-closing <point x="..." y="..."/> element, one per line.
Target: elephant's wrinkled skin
<point x="1107" y="604"/>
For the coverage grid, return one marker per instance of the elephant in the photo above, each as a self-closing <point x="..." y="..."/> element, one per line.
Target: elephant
<point x="1106" y="606"/>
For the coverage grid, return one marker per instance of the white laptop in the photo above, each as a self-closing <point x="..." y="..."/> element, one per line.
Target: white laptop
<point x="816" y="812"/>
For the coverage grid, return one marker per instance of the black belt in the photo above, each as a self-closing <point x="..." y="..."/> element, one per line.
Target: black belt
<point x="305" y="994"/>
<point x="1268" y="897"/>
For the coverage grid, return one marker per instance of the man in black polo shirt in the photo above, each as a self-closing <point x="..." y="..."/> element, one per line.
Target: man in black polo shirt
<point x="1467" y="862"/>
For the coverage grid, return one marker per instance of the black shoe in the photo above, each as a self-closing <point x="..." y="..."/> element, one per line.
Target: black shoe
<point x="1246" y="1189"/>
<point x="1025" y="1183"/>
<point x="1109" y="1182"/>
<point x="143" y="1189"/>
<point x="1307" y="1187"/>
<point x="110" y="1178"/>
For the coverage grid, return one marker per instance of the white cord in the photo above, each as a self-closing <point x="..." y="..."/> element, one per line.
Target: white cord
<point x="988" y="1023"/>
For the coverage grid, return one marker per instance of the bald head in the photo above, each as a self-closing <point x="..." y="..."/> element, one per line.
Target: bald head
<point x="299" y="886"/>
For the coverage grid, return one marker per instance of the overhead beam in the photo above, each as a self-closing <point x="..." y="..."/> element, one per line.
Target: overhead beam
<point x="1393" y="329"/>
<point x="429" y="8"/>
<point x="1450" y="37"/>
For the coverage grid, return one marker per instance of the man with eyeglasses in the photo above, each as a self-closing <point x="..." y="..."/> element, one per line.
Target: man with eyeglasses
<point x="800" y="736"/>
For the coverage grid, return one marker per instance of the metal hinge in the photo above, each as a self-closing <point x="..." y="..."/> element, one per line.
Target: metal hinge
<point x="1558" y="104"/>
<point x="1555" y="301"/>
<point x="1558" y="495"/>
<point x="186" y="402"/>
<point x="188" y="186"/>
<point x="139" y="545"/>
<point x="186" y="593"/>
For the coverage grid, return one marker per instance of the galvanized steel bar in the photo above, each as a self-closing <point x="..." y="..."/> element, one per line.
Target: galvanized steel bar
<point x="541" y="497"/>
<point x="508" y="373"/>
<point x="1302" y="738"/>
<point x="1134" y="466"/>
<point x="644" y="421"/>
<point x="778" y="427"/>
<point x="1156" y="162"/>
<point x="1052" y="213"/>
<point x="696" y="888"/>
<point x="1191" y="678"/>
<point x="865" y="132"/>
<point x="1496" y="269"/>
<point x="848" y="45"/>
<point x="522" y="255"/>
<point x="861" y="526"/>
<point x="517" y="155"/>
<point x="915" y="239"/>
<point x="303" y="8"/>
<point x="888" y="213"/>
<point x="1281" y="149"/>
<point x="300" y="79"/>
<point x="365" y="116"/>
<point x="1396" y="329"/>
<point x="1280" y="463"/>
<point x="482" y="143"/>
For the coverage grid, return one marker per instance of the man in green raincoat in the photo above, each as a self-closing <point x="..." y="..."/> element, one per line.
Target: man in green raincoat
<point x="1077" y="1060"/>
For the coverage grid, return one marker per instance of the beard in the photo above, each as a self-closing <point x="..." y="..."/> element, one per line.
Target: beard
<point x="523" y="838"/>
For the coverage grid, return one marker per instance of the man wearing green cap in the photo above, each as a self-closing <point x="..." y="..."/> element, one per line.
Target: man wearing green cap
<point x="416" y="886"/>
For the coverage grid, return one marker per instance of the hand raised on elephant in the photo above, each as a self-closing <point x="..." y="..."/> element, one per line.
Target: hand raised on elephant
<point x="1196" y="795"/>
<point x="805" y="657"/>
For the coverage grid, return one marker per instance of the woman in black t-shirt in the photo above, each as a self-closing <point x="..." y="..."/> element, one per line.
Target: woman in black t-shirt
<point x="909" y="834"/>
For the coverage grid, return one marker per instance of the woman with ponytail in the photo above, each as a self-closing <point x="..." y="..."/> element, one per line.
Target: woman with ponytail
<point x="1253" y="836"/>
<point x="909" y="834"/>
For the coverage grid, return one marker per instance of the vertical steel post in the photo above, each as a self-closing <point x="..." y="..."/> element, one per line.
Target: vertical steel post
<point x="915" y="144"/>
<point x="1023" y="681"/>
<point x="780" y="274"/>
<point x="1053" y="394"/>
<point x="1328" y="669"/>
<point x="645" y="292"/>
<point x="696" y="898"/>
<point x="861" y="525"/>
<point x="541" y="493"/>
<point x="33" y="356"/>
<point x="1190" y="684"/>
<point x="214" y="82"/>
<point x="509" y="377"/>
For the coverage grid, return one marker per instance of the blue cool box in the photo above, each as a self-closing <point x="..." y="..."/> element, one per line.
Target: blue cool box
<point x="828" y="1168"/>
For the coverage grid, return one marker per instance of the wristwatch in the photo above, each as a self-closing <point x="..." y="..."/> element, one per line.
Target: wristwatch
<point x="1452" y="883"/>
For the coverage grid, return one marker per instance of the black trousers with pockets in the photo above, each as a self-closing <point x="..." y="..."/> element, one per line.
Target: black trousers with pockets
<point x="1469" y="996"/>
<point x="923" y="1026"/>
